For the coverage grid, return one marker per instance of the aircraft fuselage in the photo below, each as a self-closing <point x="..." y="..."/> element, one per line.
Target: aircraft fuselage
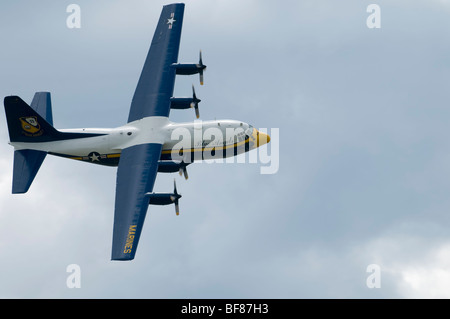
<point x="187" y="142"/>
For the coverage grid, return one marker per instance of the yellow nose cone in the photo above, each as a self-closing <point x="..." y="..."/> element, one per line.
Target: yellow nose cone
<point x="262" y="138"/>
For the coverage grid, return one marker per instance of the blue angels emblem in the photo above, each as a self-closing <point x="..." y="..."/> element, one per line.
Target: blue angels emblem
<point x="30" y="125"/>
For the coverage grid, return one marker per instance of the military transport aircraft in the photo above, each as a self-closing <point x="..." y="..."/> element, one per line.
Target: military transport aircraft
<point x="141" y="148"/>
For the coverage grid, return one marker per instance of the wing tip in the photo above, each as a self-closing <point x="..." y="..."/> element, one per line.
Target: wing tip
<point x="122" y="258"/>
<point x="174" y="4"/>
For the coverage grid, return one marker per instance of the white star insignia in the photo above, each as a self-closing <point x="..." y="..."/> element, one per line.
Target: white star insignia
<point x="94" y="158"/>
<point x="171" y="21"/>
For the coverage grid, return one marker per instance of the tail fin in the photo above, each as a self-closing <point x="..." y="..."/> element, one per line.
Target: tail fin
<point x="34" y="124"/>
<point x="42" y="104"/>
<point x="25" y="124"/>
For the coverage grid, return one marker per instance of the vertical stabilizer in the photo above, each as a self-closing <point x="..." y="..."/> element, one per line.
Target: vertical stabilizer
<point x="42" y="104"/>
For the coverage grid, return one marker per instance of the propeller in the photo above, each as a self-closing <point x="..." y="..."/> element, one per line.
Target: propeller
<point x="195" y="102"/>
<point x="201" y="67"/>
<point x="183" y="170"/>
<point x="175" y="198"/>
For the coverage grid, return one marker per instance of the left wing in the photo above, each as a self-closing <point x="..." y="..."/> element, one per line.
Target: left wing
<point x="136" y="175"/>
<point x="138" y="164"/>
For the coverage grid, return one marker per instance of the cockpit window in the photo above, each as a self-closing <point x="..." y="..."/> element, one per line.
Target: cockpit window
<point x="249" y="131"/>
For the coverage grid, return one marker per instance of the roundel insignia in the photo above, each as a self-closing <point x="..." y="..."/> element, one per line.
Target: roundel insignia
<point x="94" y="157"/>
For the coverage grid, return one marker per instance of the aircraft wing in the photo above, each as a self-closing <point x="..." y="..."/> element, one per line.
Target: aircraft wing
<point x="138" y="164"/>
<point x="157" y="80"/>
<point x="136" y="175"/>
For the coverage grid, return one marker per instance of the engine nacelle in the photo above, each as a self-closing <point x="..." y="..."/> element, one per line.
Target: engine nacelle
<point x="165" y="199"/>
<point x="181" y="103"/>
<point x="162" y="199"/>
<point x="186" y="102"/>
<point x="191" y="68"/>
<point x="170" y="166"/>
<point x="188" y="68"/>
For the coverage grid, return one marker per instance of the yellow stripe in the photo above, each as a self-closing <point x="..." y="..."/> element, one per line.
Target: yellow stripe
<point x="216" y="148"/>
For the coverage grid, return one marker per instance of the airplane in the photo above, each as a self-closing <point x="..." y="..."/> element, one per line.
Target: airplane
<point x="140" y="148"/>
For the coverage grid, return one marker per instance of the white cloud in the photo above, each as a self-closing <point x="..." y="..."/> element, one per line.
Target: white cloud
<point x="412" y="266"/>
<point x="428" y="277"/>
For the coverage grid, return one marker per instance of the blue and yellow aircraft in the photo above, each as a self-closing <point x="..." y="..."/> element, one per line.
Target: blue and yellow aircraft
<point x="149" y="143"/>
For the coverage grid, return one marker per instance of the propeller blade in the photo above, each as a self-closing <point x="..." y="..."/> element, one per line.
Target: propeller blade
<point x="197" y="112"/>
<point x="177" y="208"/>
<point x="183" y="170"/>
<point x="185" y="173"/>
<point x="194" y="96"/>
<point x="175" y="187"/>
<point x="202" y="67"/>
<point x="201" y="78"/>
<point x="195" y="101"/>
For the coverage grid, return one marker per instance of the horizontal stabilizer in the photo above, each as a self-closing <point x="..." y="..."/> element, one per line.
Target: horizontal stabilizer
<point x="26" y="166"/>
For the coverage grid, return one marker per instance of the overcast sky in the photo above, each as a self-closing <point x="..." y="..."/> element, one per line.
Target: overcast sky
<point x="364" y="151"/>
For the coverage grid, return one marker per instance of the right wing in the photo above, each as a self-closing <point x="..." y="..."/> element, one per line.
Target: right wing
<point x="157" y="80"/>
